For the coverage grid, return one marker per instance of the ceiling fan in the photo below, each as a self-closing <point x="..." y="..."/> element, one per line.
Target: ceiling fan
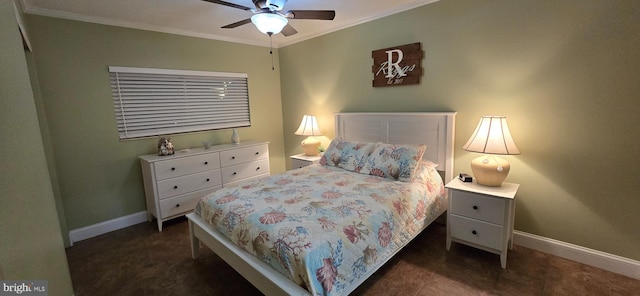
<point x="269" y="19"/>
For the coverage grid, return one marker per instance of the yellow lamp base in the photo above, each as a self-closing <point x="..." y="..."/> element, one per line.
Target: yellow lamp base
<point x="310" y="146"/>
<point x="490" y="170"/>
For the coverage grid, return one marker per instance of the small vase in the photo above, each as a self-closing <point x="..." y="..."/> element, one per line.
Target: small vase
<point x="235" y="138"/>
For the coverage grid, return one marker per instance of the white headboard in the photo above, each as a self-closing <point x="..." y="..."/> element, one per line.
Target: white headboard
<point x="435" y="129"/>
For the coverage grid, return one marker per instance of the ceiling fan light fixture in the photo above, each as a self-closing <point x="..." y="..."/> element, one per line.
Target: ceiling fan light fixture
<point x="269" y="22"/>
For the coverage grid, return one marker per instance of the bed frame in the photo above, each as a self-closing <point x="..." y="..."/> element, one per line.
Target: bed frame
<point x="436" y="130"/>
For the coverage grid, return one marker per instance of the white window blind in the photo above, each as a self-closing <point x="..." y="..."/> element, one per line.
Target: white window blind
<point x="152" y="102"/>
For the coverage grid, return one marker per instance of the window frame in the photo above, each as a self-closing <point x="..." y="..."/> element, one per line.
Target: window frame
<point x="152" y="102"/>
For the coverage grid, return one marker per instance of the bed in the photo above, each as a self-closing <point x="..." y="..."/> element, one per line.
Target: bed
<point x="324" y="229"/>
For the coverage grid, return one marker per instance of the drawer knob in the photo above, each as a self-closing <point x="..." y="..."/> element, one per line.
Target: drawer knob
<point x="234" y="173"/>
<point x="257" y="153"/>
<point x="258" y="168"/>
<point x="173" y="169"/>
<point x="233" y="157"/>
<point x="177" y="205"/>
<point x="175" y="187"/>
<point x="206" y="163"/>
<point x="475" y="207"/>
<point x="474" y="232"/>
<point x="207" y="179"/>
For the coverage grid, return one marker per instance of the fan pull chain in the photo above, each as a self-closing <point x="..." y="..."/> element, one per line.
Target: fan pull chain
<point x="271" y="50"/>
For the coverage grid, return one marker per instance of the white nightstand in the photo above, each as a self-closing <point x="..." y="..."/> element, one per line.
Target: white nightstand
<point x="301" y="160"/>
<point x="481" y="216"/>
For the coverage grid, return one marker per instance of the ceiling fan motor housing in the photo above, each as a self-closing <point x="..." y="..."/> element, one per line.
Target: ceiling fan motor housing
<point x="273" y="5"/>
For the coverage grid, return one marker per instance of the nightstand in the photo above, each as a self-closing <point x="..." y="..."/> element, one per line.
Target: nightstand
<point x="482" y="216"/>
<point x="301" y="160"/>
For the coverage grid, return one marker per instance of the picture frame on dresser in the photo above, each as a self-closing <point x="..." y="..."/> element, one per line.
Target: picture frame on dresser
<point x="173" y="184"/>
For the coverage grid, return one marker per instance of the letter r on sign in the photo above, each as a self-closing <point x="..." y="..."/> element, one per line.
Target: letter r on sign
<point x="396" y="65"/>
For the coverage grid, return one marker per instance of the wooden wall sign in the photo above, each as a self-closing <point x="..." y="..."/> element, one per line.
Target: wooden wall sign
<point x="398" y="65"/>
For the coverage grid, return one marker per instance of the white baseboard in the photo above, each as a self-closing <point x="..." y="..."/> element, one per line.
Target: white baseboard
<point x="606" y="261"/>
<point x="106" y="226"/>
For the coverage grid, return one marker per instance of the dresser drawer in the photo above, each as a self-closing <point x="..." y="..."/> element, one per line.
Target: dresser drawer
<point x="186" y="165"/>
<point x="477" y="232"/>
<point x="180" y="185"/>
<point x="245" y="170"/>
<point x="478" y="206"/>
<point x="242" y="155"/>
<point x="183" y="203"/>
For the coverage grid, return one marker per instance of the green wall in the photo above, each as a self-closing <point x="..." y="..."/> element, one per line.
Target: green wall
<point x="565" y="73"/>
<point x="31" y="246"/>
<point x="98" y="175"/>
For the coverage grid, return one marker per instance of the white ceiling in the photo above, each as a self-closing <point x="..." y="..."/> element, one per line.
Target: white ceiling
<point x="202" y="19"/>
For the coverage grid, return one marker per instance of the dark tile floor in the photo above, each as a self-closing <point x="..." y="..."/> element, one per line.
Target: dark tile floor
<point x="139" y="260"/>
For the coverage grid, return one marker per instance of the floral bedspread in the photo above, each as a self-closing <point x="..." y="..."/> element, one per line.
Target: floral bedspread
<point x="324" y="227"/>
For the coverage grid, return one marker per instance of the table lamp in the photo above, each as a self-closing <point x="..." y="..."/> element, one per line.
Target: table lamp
<point x="491" y="137"/>
<point x="309" y="127"/>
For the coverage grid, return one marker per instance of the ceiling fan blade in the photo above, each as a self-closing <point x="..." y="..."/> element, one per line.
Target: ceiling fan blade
<point x="237" y="24"/>
<point x="288" y="30"/>
<point x="225" y="3"/>
<point x="311" y="14"/>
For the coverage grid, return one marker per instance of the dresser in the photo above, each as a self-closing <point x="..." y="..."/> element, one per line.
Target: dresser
<point x="173" y="184"/>
<point x="481" y="216"/>
<point x="302" y="160"/>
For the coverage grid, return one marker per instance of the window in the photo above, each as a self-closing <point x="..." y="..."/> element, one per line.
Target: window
<point x="152" y="102"/>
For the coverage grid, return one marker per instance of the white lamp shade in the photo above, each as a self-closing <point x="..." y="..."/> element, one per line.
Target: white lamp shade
<point x="309" y="126"/>
<point x="269" y="23"/>
<point x="492" y="136"/>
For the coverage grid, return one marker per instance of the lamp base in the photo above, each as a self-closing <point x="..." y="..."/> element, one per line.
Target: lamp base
<point x="310" y="146"/>
<point x="490" y="170"/>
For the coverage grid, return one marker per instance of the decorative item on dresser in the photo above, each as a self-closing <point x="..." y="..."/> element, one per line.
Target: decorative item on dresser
<point x="173" y="184"/>
<point x="492" y="136"/>
<point x="481" y="216"/>
<point x="165" y="146"/>
<point x="302" y="160"/>
<point x="235" y="137"/>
